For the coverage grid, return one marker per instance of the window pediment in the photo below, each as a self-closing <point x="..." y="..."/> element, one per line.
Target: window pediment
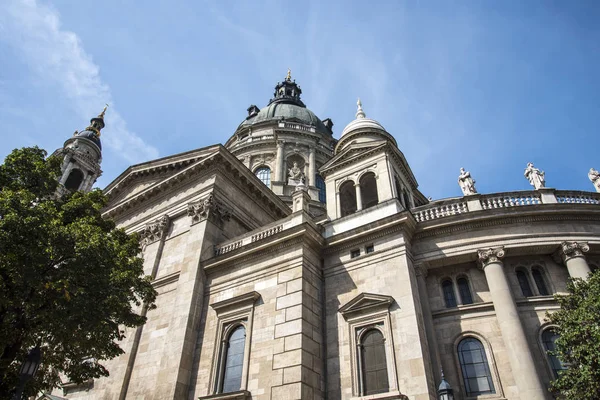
<point x="236" y="303"/>
<point x="366" y="303"/>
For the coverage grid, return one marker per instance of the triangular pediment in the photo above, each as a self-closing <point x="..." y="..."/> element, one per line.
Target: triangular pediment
<point x="353" y="152"/>
<point x="141" y="177"/>
<point x="366" y="302"/>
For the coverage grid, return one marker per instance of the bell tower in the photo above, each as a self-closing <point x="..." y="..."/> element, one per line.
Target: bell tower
<point x="82" y="155"/>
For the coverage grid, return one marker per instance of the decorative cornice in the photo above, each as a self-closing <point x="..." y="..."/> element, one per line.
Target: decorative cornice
<point x="458" y="223"/>
<point x="569" y="250"/>
<point x="155" y="230"/>
<point x="488" y="256"/>
<point x="208" y="207"/>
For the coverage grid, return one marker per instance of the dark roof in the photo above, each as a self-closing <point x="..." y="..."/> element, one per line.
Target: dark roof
<point x="287" y="111"/>
<point x="91" y="136"/>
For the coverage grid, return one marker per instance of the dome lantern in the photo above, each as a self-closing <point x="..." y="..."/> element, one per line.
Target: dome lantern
<point x="287" y="91"/>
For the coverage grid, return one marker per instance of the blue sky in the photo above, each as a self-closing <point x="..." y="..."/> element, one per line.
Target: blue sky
<point x="484" y="85"/>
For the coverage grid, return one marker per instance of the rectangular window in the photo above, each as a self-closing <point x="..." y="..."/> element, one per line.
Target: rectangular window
<point x="369" y="249"/>
<point x="355" y="253"/>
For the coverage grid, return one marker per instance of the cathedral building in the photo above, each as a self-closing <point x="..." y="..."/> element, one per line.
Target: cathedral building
<point x="291" y="265"/>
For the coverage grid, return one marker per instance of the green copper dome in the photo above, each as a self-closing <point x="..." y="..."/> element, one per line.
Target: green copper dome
<point x="285" y="105"/>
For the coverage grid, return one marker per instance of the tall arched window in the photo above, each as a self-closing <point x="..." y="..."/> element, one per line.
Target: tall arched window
<point x="524" y="283"/>
<point x="374" y="365"/>
<point x="74" y="179"/>
<point x="347" y="198"/>
<point x="464" y="290"/>
<point x="475" y="369"/>
<point x="320" y="184"/>
<point x="549" y="339"/>
<point x="264" y="174"/>
<point x="449" y="296"/>
<point x="234" y="358"/>
<point x="540" y="283"/>
<point x="368" y="190"/>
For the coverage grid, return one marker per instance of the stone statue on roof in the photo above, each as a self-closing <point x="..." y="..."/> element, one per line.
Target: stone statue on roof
<point x="536" y="177"/>
<point x="466" y="183"/>
<point x="595" y="178"/>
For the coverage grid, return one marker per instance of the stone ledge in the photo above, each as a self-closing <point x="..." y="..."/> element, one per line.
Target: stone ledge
<point x="239" y="395"/>
<point x="383" y="396"/>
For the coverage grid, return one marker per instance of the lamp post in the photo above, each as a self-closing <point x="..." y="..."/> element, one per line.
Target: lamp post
<point x="445" y="391"/>
<point x="28" y="370"/>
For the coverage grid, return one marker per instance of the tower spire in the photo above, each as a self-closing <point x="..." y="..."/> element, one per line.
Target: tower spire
<point x="359" y="112"/>
<point x="97" y="123"/>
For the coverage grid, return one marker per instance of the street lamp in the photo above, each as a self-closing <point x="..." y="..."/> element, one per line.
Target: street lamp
<point x="28" y="370"/>
<point x="445" y="391"/>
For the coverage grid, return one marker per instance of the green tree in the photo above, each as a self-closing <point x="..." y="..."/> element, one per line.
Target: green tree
<point x="578" y="324"/>
<point x="69" y="280"/>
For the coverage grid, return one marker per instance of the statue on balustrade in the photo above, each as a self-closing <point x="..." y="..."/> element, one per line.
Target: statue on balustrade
<point x="295" y="175"/>
<point x="535" y="176"/>
<point x="595" y="178"/>
<point x="466" y="183"/>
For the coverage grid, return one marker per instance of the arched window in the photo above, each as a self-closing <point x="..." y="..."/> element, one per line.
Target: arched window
<point x="374" y="365"/>
<point x="475" y="369"/>
<point x="524" y="283"/>
<point x="464" y="290"/>
<point x="234" y="358"/>
<point x="449" y="296"/>
<point x="320" y="184"/>
<point x="549" y="340"/>
<point x="74" y="180"/>
<point x="347" y="198"/>
<point x="368" y="190"/>
<point x="264" y="174"/>
<point x="538" y="278"/>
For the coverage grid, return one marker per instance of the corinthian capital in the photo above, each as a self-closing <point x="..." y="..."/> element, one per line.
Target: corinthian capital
<point x="568" y="250"/>
<point x="155" y="230"/>
<point x="208" y="208"/>
<point x="491" y="255"/>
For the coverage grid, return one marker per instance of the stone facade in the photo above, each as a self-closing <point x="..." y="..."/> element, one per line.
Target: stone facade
<point x="307" y="283"/>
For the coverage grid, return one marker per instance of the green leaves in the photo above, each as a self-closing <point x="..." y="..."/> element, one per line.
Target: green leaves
<point x="578" y="325"/>
<point x="69" y="281"/>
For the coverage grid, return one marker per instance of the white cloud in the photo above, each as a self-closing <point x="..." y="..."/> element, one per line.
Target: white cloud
<point x="57" y="55"/>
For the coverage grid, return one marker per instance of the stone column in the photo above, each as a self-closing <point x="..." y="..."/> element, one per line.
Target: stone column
<point x="312" y="167"/>
<point x="571" y="254"/>
<point x="513" y="334"/>
<point x="279" y="161"/>
<point x="358" y="197"/>
<point x="66" y="173"/>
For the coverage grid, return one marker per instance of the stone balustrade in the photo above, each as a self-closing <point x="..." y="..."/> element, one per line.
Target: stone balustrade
<point x="437" y="210"/>
<point x="512" y="199"/>
<point x="258" y="235"/>
<point x="444" y="208"/>
<point x="577" y="197"/>
<point x="298" y="127"/>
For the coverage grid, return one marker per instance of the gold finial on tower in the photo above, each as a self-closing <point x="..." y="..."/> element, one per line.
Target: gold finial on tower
<point x="101" y="115"/>
<point x="289" y="75"/>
